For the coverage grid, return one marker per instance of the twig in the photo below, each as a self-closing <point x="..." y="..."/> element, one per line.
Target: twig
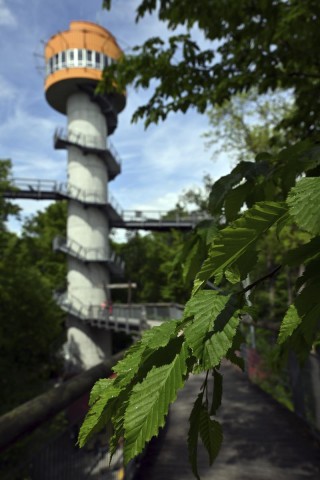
<point x="268" y="275"/>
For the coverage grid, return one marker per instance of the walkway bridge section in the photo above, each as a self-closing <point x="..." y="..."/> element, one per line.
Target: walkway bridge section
<point x="262" y="439"/>
<point x="131" y="319"/>
<point x="151" y="220"/>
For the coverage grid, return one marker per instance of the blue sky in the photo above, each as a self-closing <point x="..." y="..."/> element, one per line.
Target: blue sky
<point x="157" y="163"/>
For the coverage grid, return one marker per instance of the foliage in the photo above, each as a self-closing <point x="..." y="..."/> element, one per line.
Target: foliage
<point x="38" y="234"/>
<point x="196" y="197"/>
<point x="251" y="46"/>
<point x="30" y="322"/>
<point x="248" y="46"/>
<point x="30" y="327"/>
<point x="248" y="124"/>
<point x="274" y="380"/>
<point x="155" y="368"/>
<point x="149" y="262"/>
<point x="6" y="208"/>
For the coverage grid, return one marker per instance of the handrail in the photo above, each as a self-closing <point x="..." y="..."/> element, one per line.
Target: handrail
<point x="86" y="140"/>
<point x="98" y="312"/>
<point x="100" y="254"/>
<point x="33" y="184"/>
<point x="299" y="383"/>
<point x="79" y="138"/>
<point x="162" y="216"/>
<point x="115" y="205"/>
<point x="72" y="191"/>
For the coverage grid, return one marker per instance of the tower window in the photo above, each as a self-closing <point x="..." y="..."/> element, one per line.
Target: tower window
<point x="98" y="60"/>
<point x="70" y="58"/>
<point x="77" y="58"/>
<point x="56" y="62"/>
<point x="80" y="57"/>
<point x="89" y="58"/>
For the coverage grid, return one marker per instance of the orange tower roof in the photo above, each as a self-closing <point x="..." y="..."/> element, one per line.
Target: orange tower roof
<point x="77" y="57"/>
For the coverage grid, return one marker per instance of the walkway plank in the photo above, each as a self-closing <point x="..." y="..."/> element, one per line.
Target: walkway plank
<point x="263" y="441"/>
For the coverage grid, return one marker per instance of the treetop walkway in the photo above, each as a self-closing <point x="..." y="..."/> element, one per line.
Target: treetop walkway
<point x="262" y="439"/>
<point x="153" y="220"/>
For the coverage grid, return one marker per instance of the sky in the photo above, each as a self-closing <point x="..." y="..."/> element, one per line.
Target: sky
<point x="158" y="164"/>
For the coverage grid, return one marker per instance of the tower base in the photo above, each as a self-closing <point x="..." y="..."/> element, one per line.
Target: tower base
<point x="86" y="346"/>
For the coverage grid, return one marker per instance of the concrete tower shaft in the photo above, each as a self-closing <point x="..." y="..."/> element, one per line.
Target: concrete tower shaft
<point x="75" y="60"/>
<point x="87" y="225"/>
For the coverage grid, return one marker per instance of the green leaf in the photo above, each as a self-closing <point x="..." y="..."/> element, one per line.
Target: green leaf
<point x="211" y="434"/>
<point x="235" y="199"/>
<point x="194" y="260"/>
<point x="193" y="434"/>
<point x="235" y="359"/>
<point x="238" y="340"/>
<point x="127" y="368"/>
<point x="289" y="324"/>
<point x="149" y="403"/>
<point x="232" y="274"/>
<point x="99" y="415"/>
<point x="211" y="332"/>
<point x="311" y="272"/>
<point x="236" y="240"/>
<point x="117" y="419"/>
<point x="205" y="306"/>
<point x="308" y="310"/>
<point x="218" y="344"/>
<point x="222" y="188"/>
<point x="217" y="392"/>
<point x="282" y="223"/>
<point x="303" y="254"/>
<point x="207" y="230"/>
<point x="99" y="387"/>
<point x="303" y="201"/>
<point x="152" y="340"/>
<point x="160" y="336"/>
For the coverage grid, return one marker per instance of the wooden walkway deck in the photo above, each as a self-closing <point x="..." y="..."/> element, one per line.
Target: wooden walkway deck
<point x="262" y="440"/>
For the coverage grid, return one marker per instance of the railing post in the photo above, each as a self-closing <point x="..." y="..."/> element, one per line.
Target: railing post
<point x="296" y="385"/>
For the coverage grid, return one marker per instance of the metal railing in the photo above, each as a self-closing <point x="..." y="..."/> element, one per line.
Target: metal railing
<point x="74" y="192"/>
<point x="162" y="216"/>
<point x="87" y="253"/>
<point x="296" y="387"/>
<point x="86" y="141"/>
<point x="128" y="319"/>
<point x="89" y="197"/>
<point x="128" y="218"/>
<point x="34" y="185"/>
<point x="121" y="317"/>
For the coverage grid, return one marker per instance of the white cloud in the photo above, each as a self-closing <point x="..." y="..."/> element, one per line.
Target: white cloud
<point x="6" y="16"/>
<point x="7" y="89"/>
<point x="158" y="164"/>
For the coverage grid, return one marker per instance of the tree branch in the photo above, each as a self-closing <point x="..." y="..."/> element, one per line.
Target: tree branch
<point x="268" y="275"/>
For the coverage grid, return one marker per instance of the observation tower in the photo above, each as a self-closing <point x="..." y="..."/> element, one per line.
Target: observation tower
<point x="75" y="60"/>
